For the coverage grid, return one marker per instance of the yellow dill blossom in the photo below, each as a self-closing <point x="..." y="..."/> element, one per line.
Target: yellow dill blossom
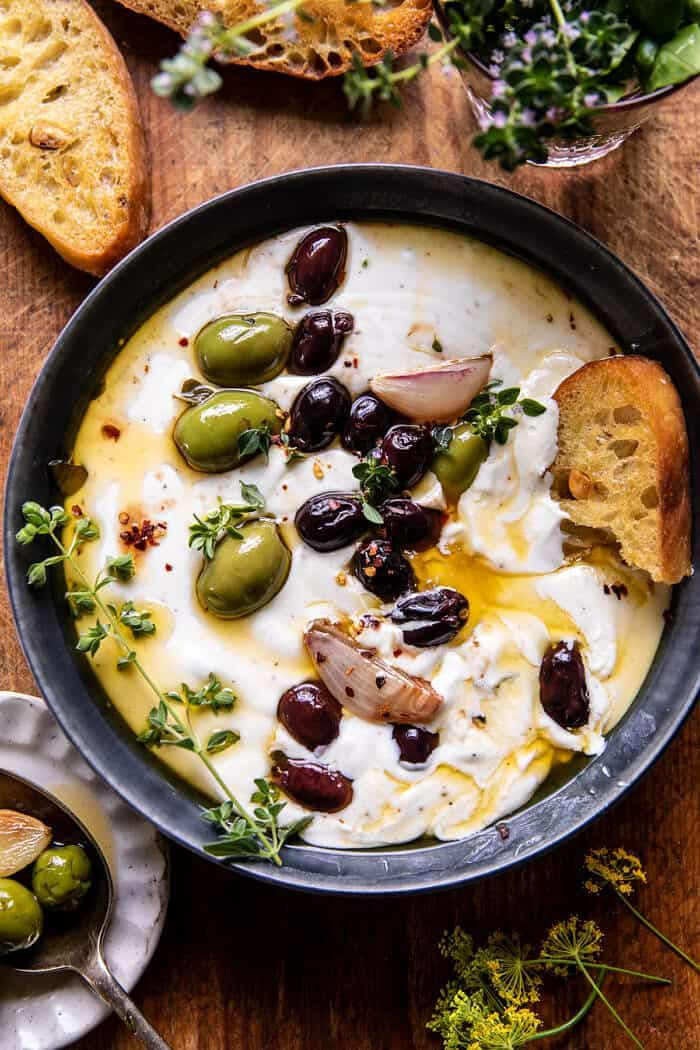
<point x="571" y="943"/>
<point x="506" y="1031"/>
<point x="613" y="867"/>
<point x="512" y="972"/>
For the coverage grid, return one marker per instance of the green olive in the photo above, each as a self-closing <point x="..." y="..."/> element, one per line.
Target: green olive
<point x="207" y="434"/>
<point x="459" y="464"/>
<point x="245" y="573"/>
<point x="61" y="877"/>
<point x="21" y="918"/>
<point x="243" y="349"/>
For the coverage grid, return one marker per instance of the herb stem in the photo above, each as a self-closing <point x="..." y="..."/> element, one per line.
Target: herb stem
<point x="662" y="937"/>
<point x="579" y="1015"/>
<point x="599" y="992"/>
<point x="229" y="35"/>
<point x="412" y="71"/>
<point x="634" y="973"/>
<point x="271" y="851"/>
<point x="562" y="26"/>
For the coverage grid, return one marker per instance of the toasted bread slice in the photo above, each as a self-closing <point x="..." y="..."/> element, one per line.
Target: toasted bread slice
<point x="318" y="44"/>
<point x="72" y="152"/>
<point x="622" y="463"/>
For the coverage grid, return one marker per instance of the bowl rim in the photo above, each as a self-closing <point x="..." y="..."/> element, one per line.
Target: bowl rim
<point x="364" y="192"/>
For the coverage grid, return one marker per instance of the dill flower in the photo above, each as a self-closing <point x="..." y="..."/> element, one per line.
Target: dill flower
<point x="614" y="867"/>
<point x="513" y="1028"/>
<point x="573" y="942"/>
<point x="511" y="970"/>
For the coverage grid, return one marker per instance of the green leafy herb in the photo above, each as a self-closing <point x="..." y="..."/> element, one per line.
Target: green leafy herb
<point x="376" y="479"/>
<point x="677" y="60"/>
<point x="253" y="441"/>
<point x="224" y="520"/>
<point x="442" y="436"/>
<point x="487" y="412"/>
<point x="170" y="721"/>
<point x="235" y="839"/>
<point x="291" y="451"/>
<point x="371" y="513"/>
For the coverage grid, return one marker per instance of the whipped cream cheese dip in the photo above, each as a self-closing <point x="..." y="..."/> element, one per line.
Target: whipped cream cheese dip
<point x="504" y="546"/>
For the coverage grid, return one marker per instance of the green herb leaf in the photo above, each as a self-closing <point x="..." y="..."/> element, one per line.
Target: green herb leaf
<point x="253" y="441"/>
<point x="371" y="513"/>
<point x="221" y="740"/>
<point x="138" y="622"/>
<point x="224" y="520"/>
<point x="376" y="480"/>
<point x="122" y="567"/>
<point x="89" y="641"/>
<point x="677" y="60"/>
<point x="532" y="408"/>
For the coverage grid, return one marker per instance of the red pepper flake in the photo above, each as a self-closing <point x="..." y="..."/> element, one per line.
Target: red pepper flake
<point x="349" y="692"/>
<point x="397" y="653"/>
<point x="76" y="510"/>
<point x="110" y="431"/>
<point x="320" y="658"/>
<point x="355" y="362"/>
<point x="504" y="831"/>
<point x="606" y="588"/>
<point x="184" y="341"/>
<point x="285" y="486"/>
<point x="147" y="369"/>
<point x="168" y="567"/>
<point x="147" y="534"/>
<point x="549" y="318"/>
<point x="380" y="681"/>
<point x="572" y="322"/>
<point x="347" y="364"/>
<point x="619" y="590"/>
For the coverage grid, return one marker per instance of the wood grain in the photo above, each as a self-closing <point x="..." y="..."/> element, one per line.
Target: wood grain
<point x="244" y="967"/>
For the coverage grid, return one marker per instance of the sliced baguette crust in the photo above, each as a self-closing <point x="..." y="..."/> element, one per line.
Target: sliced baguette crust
<point x="72" y="149"/>
<point x="313" y="49"/>
<point x="622" y="432"/>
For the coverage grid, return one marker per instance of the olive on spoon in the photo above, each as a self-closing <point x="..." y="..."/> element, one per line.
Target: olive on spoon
<point x="74" y="942"/>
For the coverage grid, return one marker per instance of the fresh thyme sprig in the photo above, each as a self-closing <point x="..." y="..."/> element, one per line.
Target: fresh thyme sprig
<point x="187" y="78"/>
<point x="224" y="520"/>
<point x="253" y="441"/>
<point x="377" y="481"/>
<point x="362" y="86"/>
<point x="259" y="835"/>
<point x="487" y="412"/>
<point x="234" y="838"/>
<point x="620" y="870"/>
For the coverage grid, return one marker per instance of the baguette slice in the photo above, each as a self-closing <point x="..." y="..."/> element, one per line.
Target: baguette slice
<point x="622" y="464"/>
<point x="72" y="152"/>
<point x="320" y="44"/>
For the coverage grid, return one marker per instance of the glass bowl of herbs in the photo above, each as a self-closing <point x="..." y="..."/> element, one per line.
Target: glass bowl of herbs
<point x="563" y="82"/>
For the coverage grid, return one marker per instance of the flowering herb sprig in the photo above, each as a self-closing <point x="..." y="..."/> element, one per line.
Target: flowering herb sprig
<point x="377" y="481"/>
<point x="620" y="870"/>
<point x="552" y="62"/>
<point x="256" y="835"/>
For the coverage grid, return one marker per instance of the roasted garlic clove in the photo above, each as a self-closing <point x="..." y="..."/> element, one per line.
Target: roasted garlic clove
<point x="365" y="684"/>
<point x="436" y="394"/>
<point x="22" y="839"/>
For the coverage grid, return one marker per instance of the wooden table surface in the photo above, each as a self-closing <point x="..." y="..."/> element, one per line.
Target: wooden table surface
<point x="242" y="966"/>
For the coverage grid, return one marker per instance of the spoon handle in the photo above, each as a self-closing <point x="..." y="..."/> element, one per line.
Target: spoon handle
<point x="97" y="975"/>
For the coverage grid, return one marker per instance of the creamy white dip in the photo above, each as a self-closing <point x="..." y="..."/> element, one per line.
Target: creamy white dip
<point x="504" y="549"/>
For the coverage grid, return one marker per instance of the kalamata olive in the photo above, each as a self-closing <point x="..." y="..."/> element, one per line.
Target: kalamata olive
<point x="563" y="689"/>
<point x="431" y="617"/>
<point x="408" y="450"/>
<point x="416" y="745"/>
<point x="458" y="464"/>
<point x="311" y="784"/>
<point x="382" y="569"/>
<point x="317" y="266"/>
<point x="318" y="340"/>
<point x="319" y="412"/>
<point x="330" y="520"/>
<point x="369" y="421"/>
<point x="310" y="714"/>
<point x="411" y="525"/>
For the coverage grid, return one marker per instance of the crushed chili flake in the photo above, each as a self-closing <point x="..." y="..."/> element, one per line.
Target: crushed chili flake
<point x="76" y="510"/>
<point x="503" y="830"/>
<point x="147" y="534"/>
<point x="619" y="590"/>
<point x="397" y="652"/>
<point x="168" y="567"/>
<point x="549" y="318"/>
<point x="184" y="341"/>
<point x="110" y="431"/>
<point x="380" y="681"/>
<point x="572" y="322"/>
<point x="349" y="692"/>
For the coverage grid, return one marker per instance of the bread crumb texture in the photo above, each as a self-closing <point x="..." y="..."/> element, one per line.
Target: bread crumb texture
<point x="320" y="43"/>
<point x="622" y="464"/>
<point x="72" y="155"/>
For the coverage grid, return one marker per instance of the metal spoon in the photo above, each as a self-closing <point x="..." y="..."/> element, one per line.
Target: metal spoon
<point x="77" y="946"/>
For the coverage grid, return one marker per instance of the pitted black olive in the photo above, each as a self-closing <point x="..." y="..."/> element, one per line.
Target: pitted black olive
<point x="563" y="689"/>
<point x="408" y="450"/>
<point x="382" y="569"/>
<point x="318" y="340"/>
<point x="317" y="266"/>
<point x="411" y="525"/>
<point x="310" y="714"/>
<point x="369" y="421"/>
<point x="416" y="745"/>
<point x="330" y="520"/>
<point x="311" y="784"/>
<point x="319" y="412"/>
<point x="431" y="617"/>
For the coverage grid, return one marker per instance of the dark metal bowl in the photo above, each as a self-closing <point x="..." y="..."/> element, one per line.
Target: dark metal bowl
<point x="152" y="274"/>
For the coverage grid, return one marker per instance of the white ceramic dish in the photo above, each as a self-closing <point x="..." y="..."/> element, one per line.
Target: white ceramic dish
<point x="47" y="1013"/>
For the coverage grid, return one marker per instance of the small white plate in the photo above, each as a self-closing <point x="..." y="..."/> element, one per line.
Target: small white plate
<point x="42" y="1012"/>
